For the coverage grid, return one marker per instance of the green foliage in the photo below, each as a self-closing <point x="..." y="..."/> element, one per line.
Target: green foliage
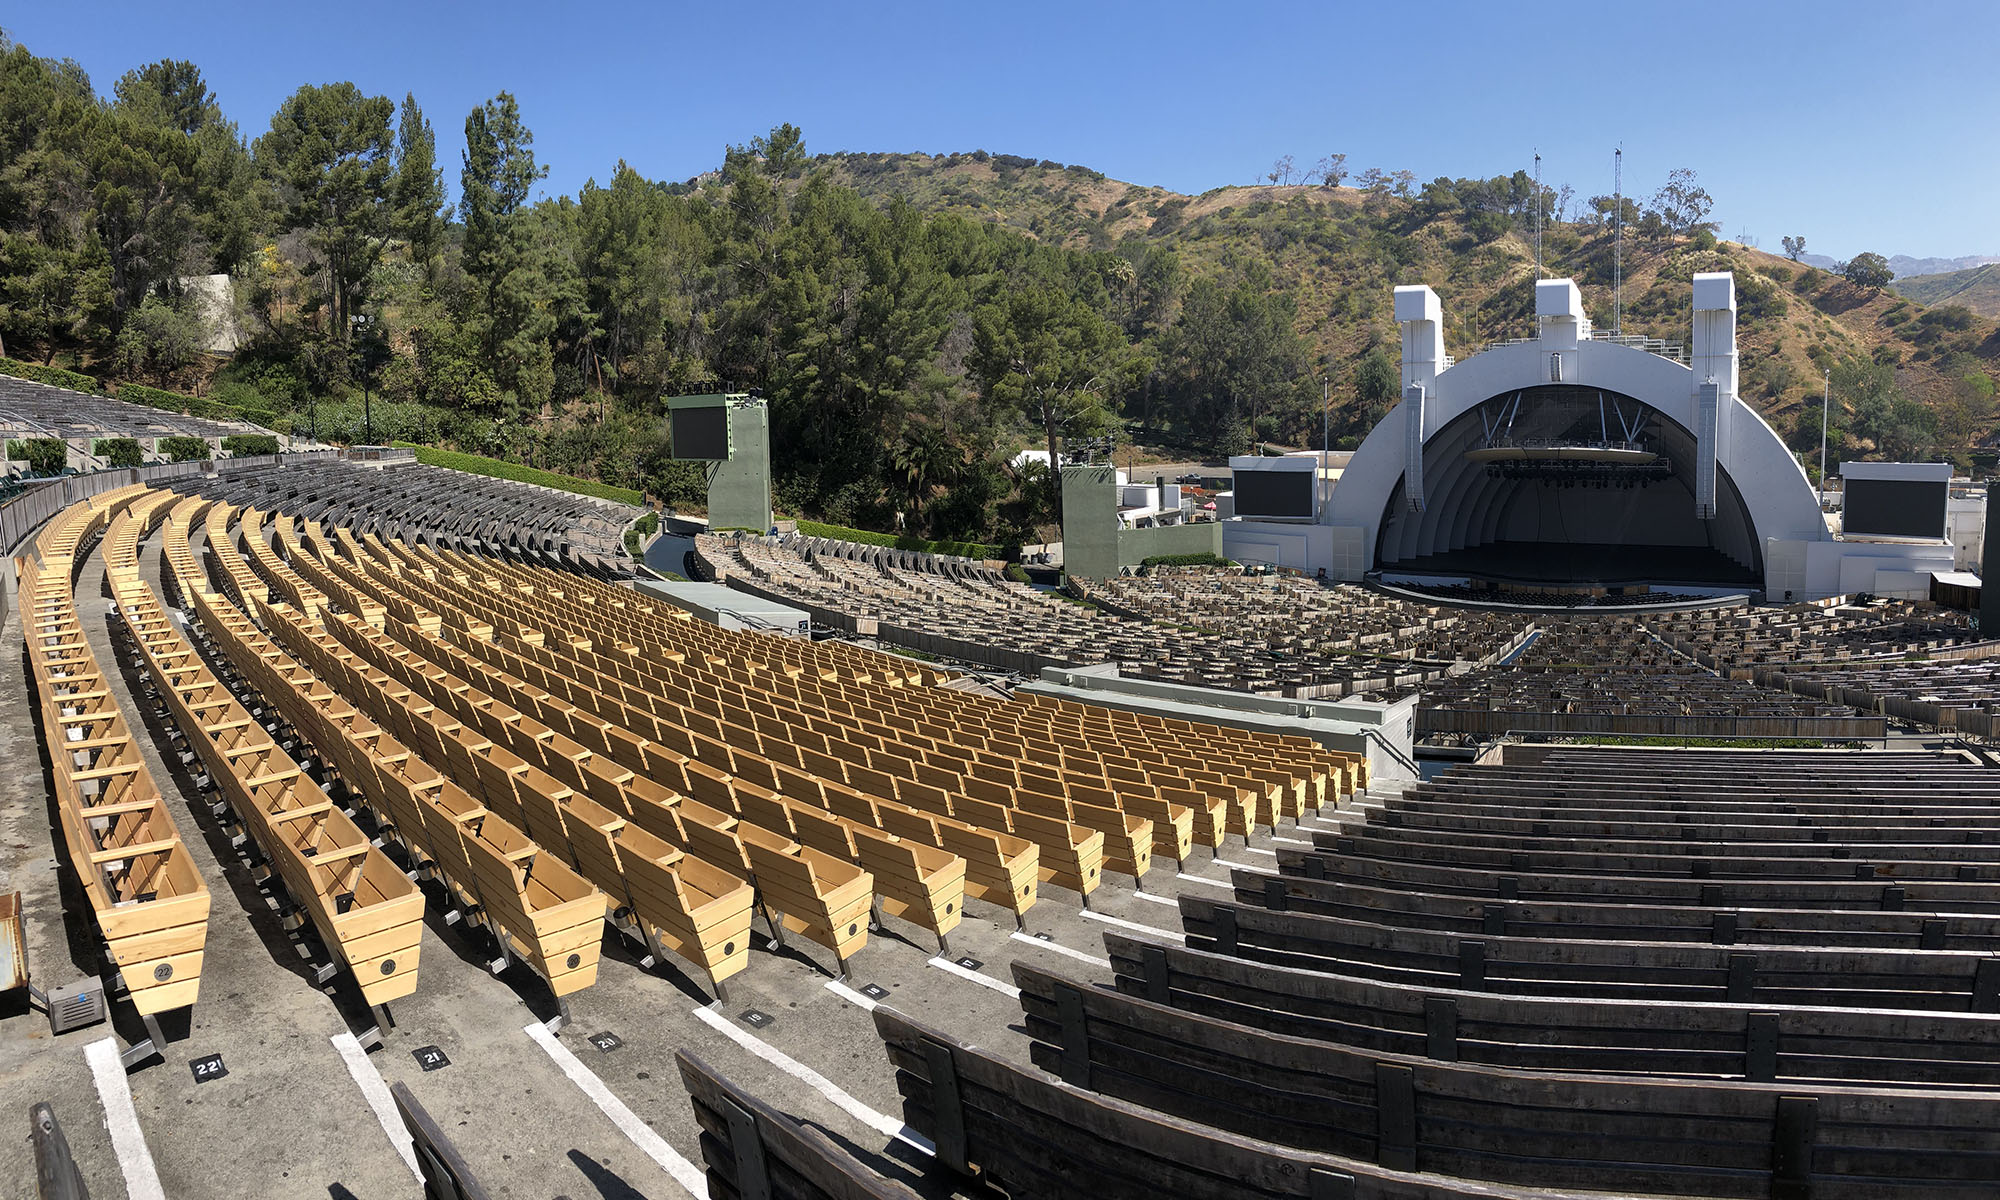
<point x="44" y="456"/>
<point x="53" y="376"/>
<point x="119" y="452"/>
<point x="417" y="193"/>
<point x="1202" y="559"/>
<point x="1867" y="270"/>
<point x="841" y="533"/>
<point x="477" y="465"/>
<point x="244" y="445"/>
<point x="1902" y="427"/>
<point x="914" y="320"/>
<point x="183" y="448"/>
<point x="162" y="338"/>
<point x="331" y="155"/>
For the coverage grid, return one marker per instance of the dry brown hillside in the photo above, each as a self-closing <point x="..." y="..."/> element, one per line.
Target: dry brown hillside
<point x="1340" y="251"/>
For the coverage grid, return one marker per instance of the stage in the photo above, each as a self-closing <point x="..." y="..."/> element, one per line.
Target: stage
<point x="1574" y="565"/>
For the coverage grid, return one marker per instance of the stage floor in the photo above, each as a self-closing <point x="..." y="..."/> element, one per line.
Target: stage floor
<point x="1582" y="564"/>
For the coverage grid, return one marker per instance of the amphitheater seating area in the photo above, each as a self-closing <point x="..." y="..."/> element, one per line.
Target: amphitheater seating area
<point x="442" y="508"/>
<point x="700" y="780"/>
<point x="961" y="610"/>
<point x="1599" y="972"/>
<point x="1561" y="973"/>
<point x="29" y="409"/>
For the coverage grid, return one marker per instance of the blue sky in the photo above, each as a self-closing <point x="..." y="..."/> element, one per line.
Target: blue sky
<point x="1863" y="126"/>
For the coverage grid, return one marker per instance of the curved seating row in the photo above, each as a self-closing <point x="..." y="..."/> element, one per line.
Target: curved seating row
<point x="534" y="905"/>
<point x="145" y="894"/>
<point x="365" y="911"/>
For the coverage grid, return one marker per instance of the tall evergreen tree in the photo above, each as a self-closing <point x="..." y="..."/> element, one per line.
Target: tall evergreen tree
<point x="503" y="256"/>
<point x="330" y="154"/>
<point x="419" y="186"/>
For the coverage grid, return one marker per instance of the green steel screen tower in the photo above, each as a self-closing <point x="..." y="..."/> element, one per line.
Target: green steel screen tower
<point x="731" y="432"/>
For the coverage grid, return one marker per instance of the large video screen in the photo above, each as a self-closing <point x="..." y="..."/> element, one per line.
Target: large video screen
<point x="1895" y="507"/>
<point x="1274" y="494"/>
<point x="700" y="432"/>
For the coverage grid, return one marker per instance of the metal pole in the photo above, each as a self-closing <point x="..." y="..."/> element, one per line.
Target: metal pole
<point x="1325" y="435"/>
<point x="1618" y="241"/>
<point x="1825" y="402"/>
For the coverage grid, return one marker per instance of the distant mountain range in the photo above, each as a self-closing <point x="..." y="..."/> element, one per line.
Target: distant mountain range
<point x="1977" y="289"/>
<point x="1903" y="264"/>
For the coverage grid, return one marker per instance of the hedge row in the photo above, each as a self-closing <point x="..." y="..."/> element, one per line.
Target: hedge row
<point x="53" y="376"/>
<point x="248" y="444"/>
<point x="119" y="451"/>
<point x="474" y="464"/>
<point x="44" y="456"/>
<point x="842" y="533"/>
<point x="1202" y="558"/>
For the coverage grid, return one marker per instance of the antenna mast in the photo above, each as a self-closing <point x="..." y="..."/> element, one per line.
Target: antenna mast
<point x="1538" y="215"/>
<point x="1618" y="241"/>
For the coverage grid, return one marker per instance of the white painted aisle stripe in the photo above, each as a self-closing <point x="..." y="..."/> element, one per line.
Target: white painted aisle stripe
<point x="850" y="995"/>
<point x="1089" y="914"/>
<point x="1244" y="867"/>
<point x="1221" y="883"/>
<point x="1256" y="850"/>
<point x="1059" y="948"/>
<point x="1169" y="901"/>
<point x="142" y="1181"/>
<point x="655" y="1147"/>
<point x="1006" y="989"/>
<point x="814" y="1080"/>
<point x="377" y="1094"/>
<point x="1293" y="841"/>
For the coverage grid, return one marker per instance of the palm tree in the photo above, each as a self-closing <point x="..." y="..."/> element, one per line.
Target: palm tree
<point x="924" y="461"/>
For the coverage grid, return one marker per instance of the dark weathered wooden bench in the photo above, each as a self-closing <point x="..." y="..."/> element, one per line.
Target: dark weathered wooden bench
<point x="1034" y="1136"/>
<point x="1668" y="825"/>
<point x="1865" y="886"/>
<point x="1668" y="1037"/>
<point x="1716" y="924"/>
<point x="1623" y="1133"/>
<point x="1633" y="856"/>
<point x="1685" y="859"/>
<point x="1942" y="980"/>
<point x="755" y="1152"/>
<point x="1541" y="807"/>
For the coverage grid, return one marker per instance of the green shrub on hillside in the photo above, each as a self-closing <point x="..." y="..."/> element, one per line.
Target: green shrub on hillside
<point x="53" y="376"/>
<point x="184" y="449"/>
<point x="44" y="456"/>
<point x="473" y="464"/>
<point x="247" y="444"/>
<point x="119" y="452"/>
<point x="1200" y="559"/>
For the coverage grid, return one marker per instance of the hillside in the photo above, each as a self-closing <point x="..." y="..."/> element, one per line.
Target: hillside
<point x="1338" y="252"/>
<point x="913" y="320"/>
<point x="1903" y="264"/>
<point x="1977" y="289"/>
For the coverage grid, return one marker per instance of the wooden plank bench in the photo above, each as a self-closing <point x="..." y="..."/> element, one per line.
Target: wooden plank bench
<point x="1028" y="1134"/>
<point x="1862" y="888"/>
<point x="1613" y="1132"/>
<point x="1769" y="925"/>
<point x="1883" y="1047"/>
<point x="1942" y="980"/>
<point x="754" y="1152"/>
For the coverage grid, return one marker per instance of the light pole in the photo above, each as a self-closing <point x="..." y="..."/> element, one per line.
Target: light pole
<point x="1325" y="434"/>
<point x="1825" y="403"/>
<point x="359" y="321"/>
